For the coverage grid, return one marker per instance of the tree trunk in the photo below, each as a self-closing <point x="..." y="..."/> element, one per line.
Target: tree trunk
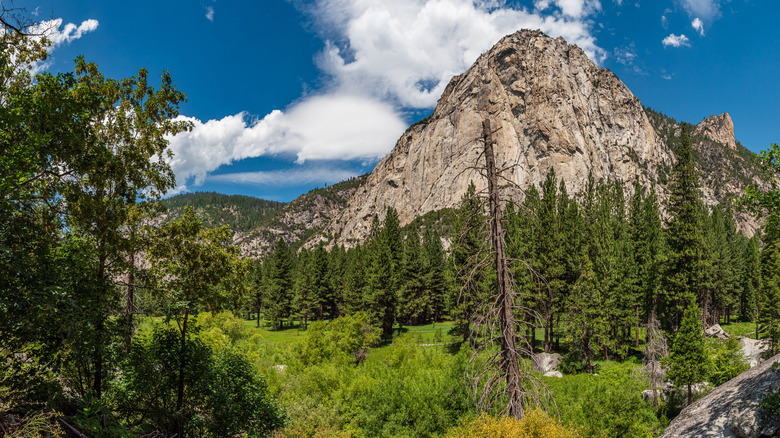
<point x="182" y="355"/>
<point x="690" y="397"/>
<point x="100" y="326"/>
<point x="129" y="304"/>
<point x="509" y="355"/>
<point x="636" y="334"/>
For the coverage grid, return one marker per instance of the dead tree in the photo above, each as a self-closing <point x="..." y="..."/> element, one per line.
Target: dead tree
<point x="655" y="349"/>
<point x="500" y="378"/>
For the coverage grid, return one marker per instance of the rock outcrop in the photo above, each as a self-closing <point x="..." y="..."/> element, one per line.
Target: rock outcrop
<point x="552" y="108"/>
<point x="545" y="362"/>
<point x="718" y="128"/>
<point x="716" y="331"/>
<point x="754" y="349"/>
<point x="732" y="409"/>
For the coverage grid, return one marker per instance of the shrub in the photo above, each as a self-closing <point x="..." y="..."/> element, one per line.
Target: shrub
<point x="535" y="424"/>
<point x="727" y="361"/>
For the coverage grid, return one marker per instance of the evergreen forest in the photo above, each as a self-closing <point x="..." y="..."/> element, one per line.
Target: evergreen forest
<point x="114" y="324"/>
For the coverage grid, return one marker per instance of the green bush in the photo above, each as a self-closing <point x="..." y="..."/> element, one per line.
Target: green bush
<point x="727" y="361"/>
<point x="223" y="393"/>
<point x="609" y="404"/>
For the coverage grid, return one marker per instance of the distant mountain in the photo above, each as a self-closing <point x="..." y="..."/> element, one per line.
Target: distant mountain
<point x="240" y="213"/>
<point x="257" y="223"/>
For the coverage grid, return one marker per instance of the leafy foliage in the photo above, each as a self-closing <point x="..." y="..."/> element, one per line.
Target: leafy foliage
<point x="535" y="424"/>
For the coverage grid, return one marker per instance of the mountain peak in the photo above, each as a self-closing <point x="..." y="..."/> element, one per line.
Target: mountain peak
<point x="553" y="108"/>
<point x="718" y="128"/>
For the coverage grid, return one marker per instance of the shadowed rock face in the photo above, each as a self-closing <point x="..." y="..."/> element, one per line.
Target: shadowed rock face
<point x="552" y="107"/>
<point x="732" y="409"/>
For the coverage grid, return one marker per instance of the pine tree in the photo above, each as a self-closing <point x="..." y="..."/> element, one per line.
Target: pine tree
<point x="323" y="294"/>
<point x="434" y="273"/>
<point x="413" y="300"/>
<point x="470" y="238"/>
<point x="687" y="363"/>
<point x="769" y="297"/>
<point x="279" y="285"/>
<point x="751" y="281"/>
<point x="354" y="281"/>
<point x="683" y="271"/>
<point x="304" y="302"/>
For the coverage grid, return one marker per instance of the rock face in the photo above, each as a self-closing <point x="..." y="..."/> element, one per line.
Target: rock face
<point x="544" y="362"/>
<point x="552" y="108"/>
<point x="718" y="128"/>
<point x="753" y="349"/>
<point x="716" y="331"/>
<point x="732" y="409"/>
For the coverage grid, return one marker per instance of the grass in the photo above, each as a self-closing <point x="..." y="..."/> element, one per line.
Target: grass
<point x="747" y="329"/>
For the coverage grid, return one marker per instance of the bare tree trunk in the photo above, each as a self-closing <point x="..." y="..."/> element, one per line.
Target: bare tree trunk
<point x="509" y="354"/>
<point x="129" y="300"/>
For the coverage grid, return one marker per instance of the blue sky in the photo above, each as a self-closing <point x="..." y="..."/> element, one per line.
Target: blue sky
<point x="288" y="95"/>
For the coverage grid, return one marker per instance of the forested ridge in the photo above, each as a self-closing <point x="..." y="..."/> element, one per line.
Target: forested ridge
<point x="238" y="212"/>
<point x="114" y="324"/>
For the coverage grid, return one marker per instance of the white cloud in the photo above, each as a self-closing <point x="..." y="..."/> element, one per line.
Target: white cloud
<point x="285" y="178"/>
<point x="210" y="13"/>
<point x="698" y="25"/>
<point x="57" y="37"/>
<point x="328" y="127"/>
<point x="676" y="41"/>
<point x="625" y="55"/>
<point x="380" y="58"/>
<point x="706" y="9"/>
<point x="667" y="77"/>
<point x="406" y="51"/>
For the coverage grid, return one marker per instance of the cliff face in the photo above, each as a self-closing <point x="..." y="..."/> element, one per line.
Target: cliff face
<point x="719" y="129"/>
<point x="553" y="108"/>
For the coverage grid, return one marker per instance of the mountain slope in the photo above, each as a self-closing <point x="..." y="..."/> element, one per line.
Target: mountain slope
<point x="553" y="108"/>
<point x="240" y="213"/>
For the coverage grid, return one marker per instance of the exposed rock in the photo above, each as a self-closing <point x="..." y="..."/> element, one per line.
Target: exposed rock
<point x="553" y="108"/>
<point x="754" y="349"/>
<point x="544" y="362"/>
<point x="553" y="374"/>
<point x="732" y="409"/>
<point x="647" y="395"/>
<point x="718" y="128"/>
<point x="660" y="372"/>
<point x="716" y="331"/>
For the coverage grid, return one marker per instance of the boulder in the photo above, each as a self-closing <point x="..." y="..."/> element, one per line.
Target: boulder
<point x="647" y="395"/>
<point x="753" y="349"/>
<point x="660" y="372"/>
<point x="732" y="409"/>
<point x="716" y="331"/>
<point x="553" y="374"/>
<point x="544" y="362"/>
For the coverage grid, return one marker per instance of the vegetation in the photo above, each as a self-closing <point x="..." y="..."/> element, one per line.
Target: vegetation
<point x="367" y="341"/>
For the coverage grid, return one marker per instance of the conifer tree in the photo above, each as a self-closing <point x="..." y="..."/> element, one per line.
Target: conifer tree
<point x="279" y="284"/>
<point x="683" y="271"/>
<point x="687" y="362"/>
<point x="354" y="281"/>
<point x="470" y="238"/>
<point x="304" y="303"/>
<point x="323" y="294"/>
<point x="751" y="281"/>
<point x="434" y="273"/>
<point x="586" y="325"/>
<point x="413" y="300"/>
<point x="769" y="297"/>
